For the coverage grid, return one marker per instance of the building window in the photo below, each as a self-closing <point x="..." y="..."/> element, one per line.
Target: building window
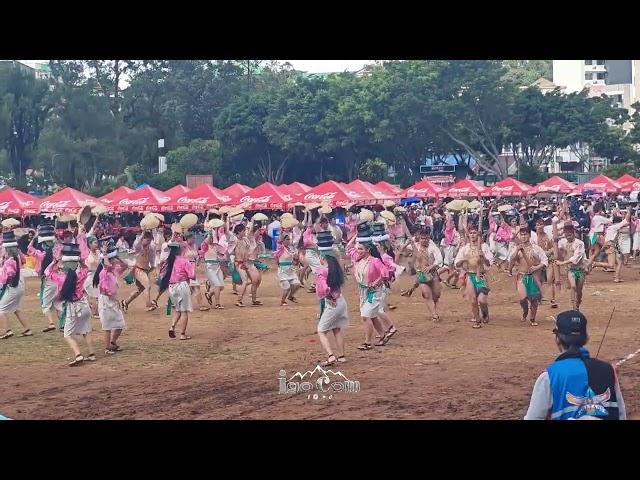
<point x="588" y="76"/>
<point x="588" y="62"/>
<point x="601" y="76"/>
<point x="599" y="62"/>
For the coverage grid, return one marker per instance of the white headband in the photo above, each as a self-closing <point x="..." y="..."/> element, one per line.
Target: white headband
<point x="69" y="258"/>
<point x="325" y="248"/>
<point x="10" y="244"/>
<point x="363" y="239"/>
<point x="380" y="238"/>
<point x="46" y="239"/>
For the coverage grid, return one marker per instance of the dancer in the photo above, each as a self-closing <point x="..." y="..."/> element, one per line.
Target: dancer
<point x="450" y="243"/>
<point x="573" y="250"/>
<point x="70" y="274"/>
<point x="393" y="269"/>
<point x="176" y="274"/>
<point x="502" y="239"/>
<point x="370" y="273"/>
<point x="11" y="285"/>
<point x="145" y="261"/>
<point x="596" y="233"/>
<point x="244" y="261"/>
<point x="190" y="252"/>
<point x="428" y="260"/>
<point x="612" y="245"/>
<point x="210" y="250"/>
<point x="334" y="318"/>
<point x="42" y="249"/>
<point x="312" y="258"/>
<point x="91" y="256"/>
<point x="285" y="254"/>
<point x="105" y="279"/>
<point x="530" y="259"/>
<point x="551" y="274"/>
<point x="474" y="257"/>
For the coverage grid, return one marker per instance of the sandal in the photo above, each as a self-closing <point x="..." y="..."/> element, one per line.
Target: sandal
<point x="477" y="325"/>
<point x="208" y="296"/>
<point x="124" y="306"/>
<point x="204" y="309"/>
<point x="391" y="333"/>
<point x="184" y="337"/>
<point x="27" y="333"/>
<point x="91" y="357"/>
<point x="293" y="299"/>
<point x="172" y="331"/>
<point x="154" y="305"/>
<point x="341" y="359"/>
<point x="78" y="361"/>
<point x="239" y="303"/>
<point x="256" y="303"/>
<point x="109" y="351"/>
<point x="284" y="304"/>
<point x="533" y="323"/>
<point x="328" y="362"/>
<point x="383" y="341"/>
<point x="392" y="307"/>
<point x="365" y="346"/>
<point x="554" y="304"/>
<point x="115" y="348"/>
<point x="218" y="307"/>
<point x="7" y="334"/>
<point x="50" y="328"/>
<point x="435" y="317"/>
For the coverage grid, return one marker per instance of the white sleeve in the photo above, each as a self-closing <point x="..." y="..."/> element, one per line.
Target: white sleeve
<point x="437" y="255"/>
<point x="541" y="399"/>
<point x="487" y="253"/>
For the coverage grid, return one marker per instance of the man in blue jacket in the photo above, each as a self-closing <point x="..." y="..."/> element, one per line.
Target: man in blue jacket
<point x="576" y="386"/>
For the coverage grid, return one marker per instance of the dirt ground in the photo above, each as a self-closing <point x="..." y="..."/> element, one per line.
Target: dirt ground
<point x="229" y="370"/>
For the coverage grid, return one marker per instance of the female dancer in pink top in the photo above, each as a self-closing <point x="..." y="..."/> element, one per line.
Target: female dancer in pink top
<point x="190" y="252"/>
<point x="44" y="248"/>
<point x="11" y="285"/>
<point x="69" y="274"/>
<point x="370" y="274"/>
<point x="105" y="279"/>
<point x="213" y="253"/>
<point x="286" y="256"/>
<point x="176" y="275"/>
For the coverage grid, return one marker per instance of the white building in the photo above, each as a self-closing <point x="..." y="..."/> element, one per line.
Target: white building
<point x="619" y="79"/>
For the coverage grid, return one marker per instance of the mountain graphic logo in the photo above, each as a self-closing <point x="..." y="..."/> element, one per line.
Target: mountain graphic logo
<point x="317" y="379"/>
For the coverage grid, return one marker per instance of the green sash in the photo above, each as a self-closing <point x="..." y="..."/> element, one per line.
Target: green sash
<point x="370" y="292"/>
<point x="322" y="306"/>
<point x="2" y="290"/>
<point x="422" y="277"/>
<point x="129" y="278"/>
<point x="260" y="266"/>
<point x="211" y="261"/>
<point x="531" y="286"/>
<point x="42" y="280"/>
<point x="169" y="306"/>
<point x="285" y="264"/>
<point x="577" y="274"/>
<point x="63" y="317"/>
<point x="478" y="283"/>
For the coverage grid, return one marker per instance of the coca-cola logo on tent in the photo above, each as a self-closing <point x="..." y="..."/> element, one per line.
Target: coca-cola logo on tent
<point x="321" y="197"/>
<point x="549" y="188"/>
<point x="46" y="205"/>
<point x="248" y="199"/>
<point x="502" y="189"/>
<point x="106" y="200"/>
<point x="139" y="201"/>
<point x="194" y="201"/>
<point x="4" y="206"/>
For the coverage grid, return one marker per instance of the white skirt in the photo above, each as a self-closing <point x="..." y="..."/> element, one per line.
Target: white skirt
<point x="214" y="274"/>
<point x="334" y="317"/>
<point x="90" y="290"/>
<point x="449" y="254"/>
<point x="78" y="318"/>
<point x="287" y="277"/>
<point x="624" y="243"/>
<point x="313" y="260"/>
<point x="371" y="309"/>
<point x="501" y="250"/>
<point x="111" y="316"/>
<point x="180" y="295"/>
<point x="12" y="298"/>
<point x="47" y="297"/>
<point x="636" y="240"/>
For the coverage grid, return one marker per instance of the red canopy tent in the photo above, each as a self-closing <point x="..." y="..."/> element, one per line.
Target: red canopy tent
<point x="15" y="202"/>
<point x="141" y="200"/>
<point x="424" y="189"/>
<point x="367" y="191"/>
<point x="265" y="196"/>
<point x="387" y="186"/>
<point x="629" y="183"/>
<point x="464" y="188"/>
<point x="203" y="197"/>
<point x="601" y="184"/>
<point x="176" y="190"/>
<point x="236" y="190"/>
<point x="386" y="193"/>
<point x="298" y="187"/>
<point x="67" y="200"/>
<point x="509" y="187"/>
<point x="116" y="195"/>
<point x="555" y="184"/>
<point x="332" y="193"/>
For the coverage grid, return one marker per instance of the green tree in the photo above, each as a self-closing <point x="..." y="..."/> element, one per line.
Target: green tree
<point x="374" y="170"/>
<point x="525" y="72"/>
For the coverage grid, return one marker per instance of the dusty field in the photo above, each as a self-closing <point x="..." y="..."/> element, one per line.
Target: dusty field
<point x="229" y="370"/>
